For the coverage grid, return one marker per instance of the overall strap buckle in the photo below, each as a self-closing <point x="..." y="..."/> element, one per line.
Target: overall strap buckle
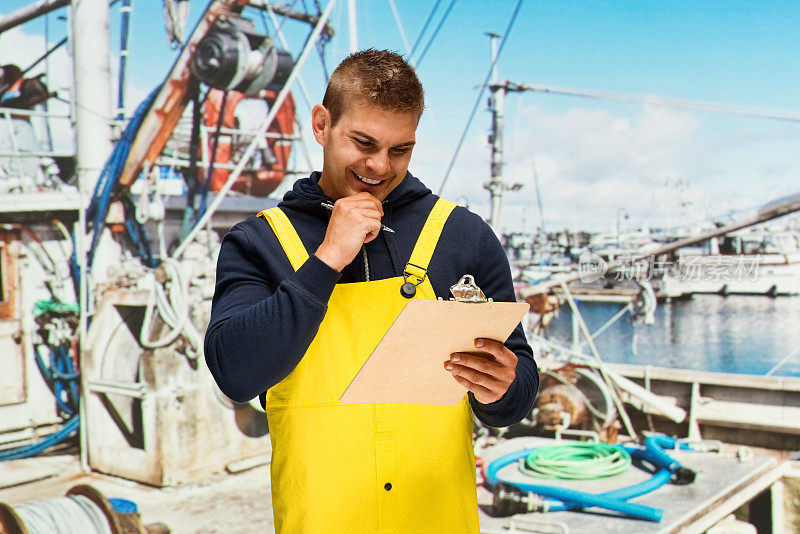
<point x="409" y="287"/>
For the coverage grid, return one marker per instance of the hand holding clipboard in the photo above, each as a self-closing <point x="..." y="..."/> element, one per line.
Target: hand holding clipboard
<point x="407" y="365"/>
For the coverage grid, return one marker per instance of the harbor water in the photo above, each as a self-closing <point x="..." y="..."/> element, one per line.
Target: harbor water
<point x="732" y="334"/>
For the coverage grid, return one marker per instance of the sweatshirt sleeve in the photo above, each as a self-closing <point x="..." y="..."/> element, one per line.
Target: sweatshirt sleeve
<point x="260" y="329"/>
<point x="494" y="278"/>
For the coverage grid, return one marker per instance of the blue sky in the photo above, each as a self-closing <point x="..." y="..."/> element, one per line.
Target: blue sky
<point x="593" y="158"/>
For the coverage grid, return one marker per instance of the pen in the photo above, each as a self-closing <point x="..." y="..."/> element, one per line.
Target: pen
<point x="329" y="206"/>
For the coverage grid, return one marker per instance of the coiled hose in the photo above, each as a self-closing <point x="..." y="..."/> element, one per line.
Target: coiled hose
<point x="576" y="461"/>
<point x="560" y="498"/>
<point x="73" y="514"/>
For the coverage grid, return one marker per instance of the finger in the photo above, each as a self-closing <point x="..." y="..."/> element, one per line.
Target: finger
<point x="369" y="213"/>
<point x="503" y="374"/>
<point x="479" y="363"/>
<point x="479" y="391"/>
<point x="374" y="228"/>
<point x="474" y="376"/>
<point x="500" y="352"/>
<point x="363" y="199"/>
<point x="358" y="207"/>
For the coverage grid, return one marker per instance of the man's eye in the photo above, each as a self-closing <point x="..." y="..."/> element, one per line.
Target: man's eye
<point x="401" y="150"/>
<point x="361" y="142"/>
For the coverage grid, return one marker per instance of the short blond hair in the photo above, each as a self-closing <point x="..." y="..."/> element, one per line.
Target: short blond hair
<point x="374" y="76"/>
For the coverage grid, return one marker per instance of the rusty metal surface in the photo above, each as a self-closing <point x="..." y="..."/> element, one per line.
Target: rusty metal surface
<point x="13" y="382"/>
<point x="172" y="98"/>
<point x="9" y="275"/>
<point x="182" y="430"/>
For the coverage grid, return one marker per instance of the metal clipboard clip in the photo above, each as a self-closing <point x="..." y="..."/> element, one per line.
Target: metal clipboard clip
<point x="465" y="290"/>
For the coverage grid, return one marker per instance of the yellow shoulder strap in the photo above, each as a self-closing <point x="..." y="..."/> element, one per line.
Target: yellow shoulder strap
<point x="428" y="238"/>
<point x="287" y="235"/>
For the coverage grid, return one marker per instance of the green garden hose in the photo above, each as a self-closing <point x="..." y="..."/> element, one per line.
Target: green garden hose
<point x="576" y="461"/>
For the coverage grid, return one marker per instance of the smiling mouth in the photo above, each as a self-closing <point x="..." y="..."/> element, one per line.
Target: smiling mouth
<point x="367" y="181"/>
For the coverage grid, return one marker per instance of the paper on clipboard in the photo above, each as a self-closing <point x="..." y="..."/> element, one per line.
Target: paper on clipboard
<point x="407" y="366"/>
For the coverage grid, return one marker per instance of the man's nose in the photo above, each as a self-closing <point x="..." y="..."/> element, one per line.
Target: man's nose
<point x="379" y="163"/>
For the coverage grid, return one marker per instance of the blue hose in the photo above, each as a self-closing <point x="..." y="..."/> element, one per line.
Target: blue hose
<point x="566" y="499"/>
<point x="35" y="448"/>
<point x="101" y="198"/>
<point x="58" y="375"/>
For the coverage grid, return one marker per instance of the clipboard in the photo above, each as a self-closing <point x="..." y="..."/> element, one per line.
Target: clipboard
<point x="407" y="366"/>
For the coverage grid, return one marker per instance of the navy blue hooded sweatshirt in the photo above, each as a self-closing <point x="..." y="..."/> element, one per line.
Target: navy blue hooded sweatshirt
<point x="264" y="314"/>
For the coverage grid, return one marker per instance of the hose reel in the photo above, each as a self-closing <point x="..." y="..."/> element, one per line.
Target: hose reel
<point x="234" y="56"/>
<point x="84" y="510"/>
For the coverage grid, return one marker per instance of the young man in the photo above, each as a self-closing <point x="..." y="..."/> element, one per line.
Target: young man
<point x="304" y="293"/>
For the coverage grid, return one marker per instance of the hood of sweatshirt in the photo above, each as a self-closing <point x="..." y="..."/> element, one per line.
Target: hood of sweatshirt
<point x="306" y="197"/>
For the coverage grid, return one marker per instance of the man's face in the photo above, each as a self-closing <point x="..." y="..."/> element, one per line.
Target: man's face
<point x="368" y="149"/>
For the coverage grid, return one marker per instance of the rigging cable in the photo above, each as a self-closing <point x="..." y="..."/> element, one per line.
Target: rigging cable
<point x="424" y="28"/>
<point x="324" y="39"/>
<point x="204" y="186"/>
<point x="190" y="174"/>
<point x="707" y="107"/>
<point x="435" y="33"/>
<point x="783" y="361"/>
<point x="399" y="24"/>
<point x="480" y="94"/>
<point x="101" y="198"/>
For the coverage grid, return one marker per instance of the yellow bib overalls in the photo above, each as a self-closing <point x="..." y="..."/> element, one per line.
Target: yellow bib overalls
<point x="363" y="468"/>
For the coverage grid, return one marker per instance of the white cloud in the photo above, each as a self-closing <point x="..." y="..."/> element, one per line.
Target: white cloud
<point x="661" y="166"/>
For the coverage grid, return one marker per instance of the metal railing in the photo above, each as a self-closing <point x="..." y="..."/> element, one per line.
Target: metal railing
<point x="27" y="162"/>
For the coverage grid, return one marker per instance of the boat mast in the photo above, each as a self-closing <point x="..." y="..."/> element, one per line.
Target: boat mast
<point x="496" y="186"/>
<point x="92" y="88"/>
<point x="353" y="25"/>
<point x="91" y="108"/>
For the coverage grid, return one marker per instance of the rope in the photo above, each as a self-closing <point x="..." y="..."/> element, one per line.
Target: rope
<point x="74" y="514"/>
<point x="174" y="308"/>
<point x="578" y="461"/>
<point x="591" y="407"/>
<point x="783" y="361"/>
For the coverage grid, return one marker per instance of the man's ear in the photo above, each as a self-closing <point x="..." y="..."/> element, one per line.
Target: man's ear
<point x="320" y="123"/>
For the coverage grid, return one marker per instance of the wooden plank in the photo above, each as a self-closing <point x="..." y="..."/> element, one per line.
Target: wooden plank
<point x="749" y="416"/>
<point x="785" y="383"/>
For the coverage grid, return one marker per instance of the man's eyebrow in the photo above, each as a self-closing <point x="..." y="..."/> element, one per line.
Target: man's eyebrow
<point x="371" y="139"/>
<point x="407" y="144"/>
<point x="366" y="137"/>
